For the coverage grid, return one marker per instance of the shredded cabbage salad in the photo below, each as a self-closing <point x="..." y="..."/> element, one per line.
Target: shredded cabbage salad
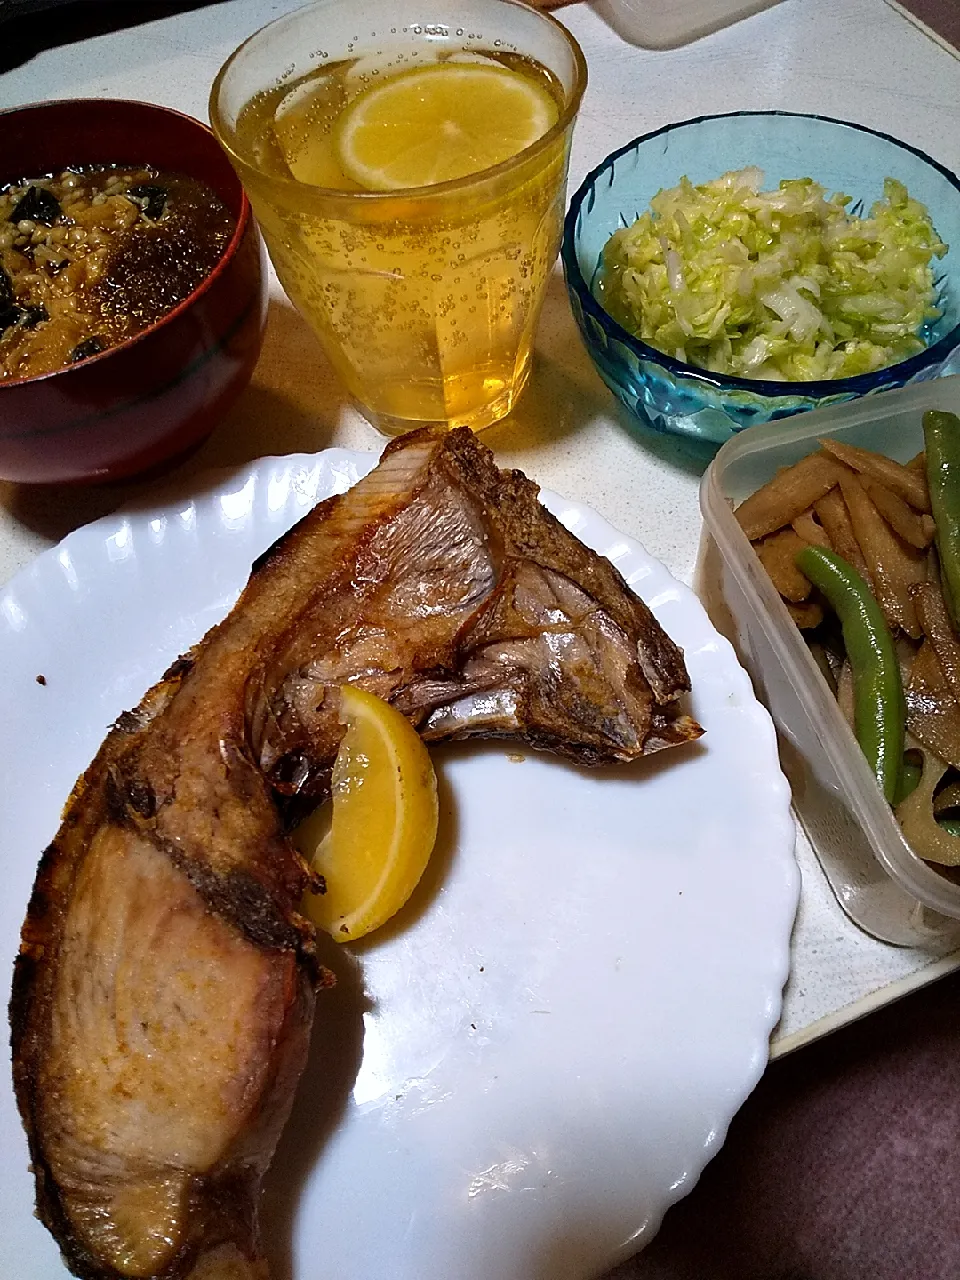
<point x="785" y="285"/>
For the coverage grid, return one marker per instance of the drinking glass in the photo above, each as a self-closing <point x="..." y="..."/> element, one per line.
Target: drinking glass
<point x="425" y="299"/>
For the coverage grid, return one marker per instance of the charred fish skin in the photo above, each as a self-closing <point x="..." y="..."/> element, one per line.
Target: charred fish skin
<point x="165" y="989"/>
<point x="146" y="1166"/>
<point x="476" y="613"/>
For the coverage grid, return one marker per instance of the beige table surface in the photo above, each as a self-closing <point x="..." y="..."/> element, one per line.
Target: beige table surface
<point x="860" y="60"/>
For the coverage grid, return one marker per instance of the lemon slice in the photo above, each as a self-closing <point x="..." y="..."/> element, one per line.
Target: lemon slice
<point x="440" y="122"/>
<point x="297" y="127"/>
<point x="384" y="821"/>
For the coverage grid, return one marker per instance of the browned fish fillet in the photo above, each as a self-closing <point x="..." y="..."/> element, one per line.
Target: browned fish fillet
<point x="164" y="992"/>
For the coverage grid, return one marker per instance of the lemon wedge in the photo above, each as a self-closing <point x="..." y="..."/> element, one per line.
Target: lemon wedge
<point x="384" y="820"/>
<point x="440" y="122"/>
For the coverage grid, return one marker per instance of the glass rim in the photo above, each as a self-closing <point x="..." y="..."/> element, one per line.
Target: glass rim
<point x="888" y="376"/>
<point x="453" y="186"/>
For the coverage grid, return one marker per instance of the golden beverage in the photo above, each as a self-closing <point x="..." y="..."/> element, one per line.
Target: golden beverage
<point x="426" y="298"/>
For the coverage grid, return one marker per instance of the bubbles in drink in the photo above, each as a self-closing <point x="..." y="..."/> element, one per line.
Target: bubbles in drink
<point x="426" y="302"/>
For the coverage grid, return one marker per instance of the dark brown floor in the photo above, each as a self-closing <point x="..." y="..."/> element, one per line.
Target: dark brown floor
<point x="843" y="1165"/>
<point x="941" y="16"/>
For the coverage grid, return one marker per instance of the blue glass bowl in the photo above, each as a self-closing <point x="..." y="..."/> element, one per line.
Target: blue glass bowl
<point x="668" y="395"/>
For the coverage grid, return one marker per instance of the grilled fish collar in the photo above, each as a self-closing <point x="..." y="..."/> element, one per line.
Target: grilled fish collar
<point x="165" y="988"/>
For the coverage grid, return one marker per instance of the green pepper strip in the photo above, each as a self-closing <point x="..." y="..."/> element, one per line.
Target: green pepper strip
<point x="878" y="704"/>
<point x="941" y="438"/>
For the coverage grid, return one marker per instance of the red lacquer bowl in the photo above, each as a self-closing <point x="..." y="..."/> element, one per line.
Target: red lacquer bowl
<point x="145" y="403"/>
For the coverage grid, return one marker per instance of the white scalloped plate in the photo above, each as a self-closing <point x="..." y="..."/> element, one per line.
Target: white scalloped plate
<point x="553" y="1040"/>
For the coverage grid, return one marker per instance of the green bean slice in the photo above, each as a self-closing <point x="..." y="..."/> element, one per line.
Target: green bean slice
<point x="879" y="706"/>
<point x="941" y="438"/>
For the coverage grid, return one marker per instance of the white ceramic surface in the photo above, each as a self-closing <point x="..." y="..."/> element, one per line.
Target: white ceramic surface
<point x="558" y="1031"/>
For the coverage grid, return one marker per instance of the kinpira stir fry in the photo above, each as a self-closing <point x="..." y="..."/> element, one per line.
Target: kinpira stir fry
<point x="865" y="552"/>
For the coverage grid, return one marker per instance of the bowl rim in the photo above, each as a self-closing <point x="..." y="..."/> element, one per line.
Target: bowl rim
<point x="244" y="220"/>
<point x="859" y="384"/>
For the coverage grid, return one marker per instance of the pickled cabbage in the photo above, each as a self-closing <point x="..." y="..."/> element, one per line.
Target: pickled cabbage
<point x="787" y="285"/>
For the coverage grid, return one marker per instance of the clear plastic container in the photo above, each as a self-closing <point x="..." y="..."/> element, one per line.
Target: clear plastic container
<point x="664" y="24"/>
<point x="878" y="880"/>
